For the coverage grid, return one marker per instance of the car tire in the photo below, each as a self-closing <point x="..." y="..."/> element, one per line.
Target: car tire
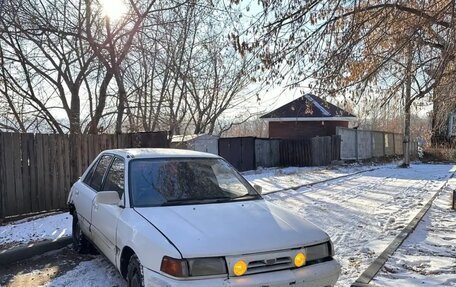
<point x="134" y="274"/>
<point x="80" y="243"/>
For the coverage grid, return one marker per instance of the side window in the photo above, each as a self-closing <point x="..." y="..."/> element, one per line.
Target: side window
<point x="88" y="177"/>
<point x="115" y="179"/>
<point x="99" y="172"/>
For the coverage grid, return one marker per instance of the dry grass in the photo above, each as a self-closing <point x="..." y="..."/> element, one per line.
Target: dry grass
<point x="440" y="154"/>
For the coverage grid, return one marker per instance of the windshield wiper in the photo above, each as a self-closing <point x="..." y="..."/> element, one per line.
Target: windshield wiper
<point x="187" y="201"/>
<point x="246" y="196"/>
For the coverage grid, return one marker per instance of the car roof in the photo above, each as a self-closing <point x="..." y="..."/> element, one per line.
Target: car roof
<point x="159" y="153"/>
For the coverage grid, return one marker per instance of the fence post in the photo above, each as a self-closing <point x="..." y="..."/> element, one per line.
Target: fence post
<point x="454" y="199"/>
<point x="384" y="144"/>
<point x="394" y="144"/>
<point x="372" y="144"/>
<point x="356" y="145"/>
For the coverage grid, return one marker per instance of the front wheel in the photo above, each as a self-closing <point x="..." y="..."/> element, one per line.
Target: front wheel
<point x="134" y="275"/>
<point x="80" y="243"/>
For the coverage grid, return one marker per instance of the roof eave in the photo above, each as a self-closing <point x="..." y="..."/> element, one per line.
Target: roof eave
<point x="312" y="119"/>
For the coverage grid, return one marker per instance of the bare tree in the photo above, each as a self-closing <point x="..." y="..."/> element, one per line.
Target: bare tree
<point x="358" y="49"/>
<point x="68" y="67"/>
<point x="44" y="45"/>
<point x="193" y="75"/>
<point x="112" y="44"/>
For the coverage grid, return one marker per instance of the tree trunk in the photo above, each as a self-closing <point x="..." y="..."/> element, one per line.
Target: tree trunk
<point x="75" y="115"/>
<point x="121" y="105"/>
<point x="101" y="103"/>
<point x="408" y="104"/>
<point x="407" y="132"/>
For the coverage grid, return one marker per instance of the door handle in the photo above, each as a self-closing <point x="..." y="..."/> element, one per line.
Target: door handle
<point x="77" y="192"/>
<point x="95" y="206"/>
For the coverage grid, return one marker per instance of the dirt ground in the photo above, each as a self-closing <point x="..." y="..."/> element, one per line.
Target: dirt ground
<point x="41" y="269"/>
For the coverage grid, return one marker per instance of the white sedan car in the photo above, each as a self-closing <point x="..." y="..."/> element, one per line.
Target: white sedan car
<point x="168" y="217"/>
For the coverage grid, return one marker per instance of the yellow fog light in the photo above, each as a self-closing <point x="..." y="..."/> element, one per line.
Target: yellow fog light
<point x="300" y="259"/>
<point x="240" y="268"/>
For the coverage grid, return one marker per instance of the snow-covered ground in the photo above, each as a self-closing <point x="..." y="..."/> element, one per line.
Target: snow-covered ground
<point x="282" y="178"/>
<point x="428" y="256"/>
<point x="27" y="231"/>
<point x="362" y="212"/>
<point x="95" y="273"/>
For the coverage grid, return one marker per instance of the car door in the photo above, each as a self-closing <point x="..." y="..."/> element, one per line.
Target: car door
<point x="84" y="192"/>
<point x="105" y="216"/>
<point x="92" y="185"/>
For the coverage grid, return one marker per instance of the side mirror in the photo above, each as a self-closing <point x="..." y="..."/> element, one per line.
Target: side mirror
<point x="107" y="197"/>
<point x="258" y="188"/>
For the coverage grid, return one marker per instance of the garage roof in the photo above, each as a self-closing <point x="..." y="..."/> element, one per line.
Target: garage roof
<point x="309" y="107"/>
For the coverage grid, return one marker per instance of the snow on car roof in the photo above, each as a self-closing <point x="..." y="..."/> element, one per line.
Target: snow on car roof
<point x="159" y="153"/>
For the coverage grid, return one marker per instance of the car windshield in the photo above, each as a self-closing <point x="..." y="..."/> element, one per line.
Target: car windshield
<point x="161" y="182"/>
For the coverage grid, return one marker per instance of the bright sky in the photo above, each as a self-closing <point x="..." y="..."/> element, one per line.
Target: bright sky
<point x="114" y="9"/>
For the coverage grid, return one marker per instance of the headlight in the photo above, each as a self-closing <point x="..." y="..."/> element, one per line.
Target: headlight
<point x="207" y="266"/>
<point x="318" y="252"/>
<point x="194" y="267"/>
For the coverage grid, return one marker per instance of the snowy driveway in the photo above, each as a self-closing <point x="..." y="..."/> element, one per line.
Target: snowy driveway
<point x="428" y="255"/>
<point x="362" y="213"/>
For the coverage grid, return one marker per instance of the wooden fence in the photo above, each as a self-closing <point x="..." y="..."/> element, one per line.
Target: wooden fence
<point x="239" y="151"/>
<point x="37" y="171"/>
<point x="325" y="150"/>
<point x="317" y="151"/>
<point x="296" y="152"/>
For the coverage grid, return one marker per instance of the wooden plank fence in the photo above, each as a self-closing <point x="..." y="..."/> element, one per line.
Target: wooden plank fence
<point x="240" y="152"/>
<point x="296" y="152"/>
<point x="37" y="170"/>
<point x="317" y="151"/>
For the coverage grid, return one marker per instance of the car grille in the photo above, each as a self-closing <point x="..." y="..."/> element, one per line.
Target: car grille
<point x="281" y="260"/>
<point x="270" y="264"/>
<point x="265" y="262"/>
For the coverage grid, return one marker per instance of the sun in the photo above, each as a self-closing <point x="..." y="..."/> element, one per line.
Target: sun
<point x="113" y="9"/>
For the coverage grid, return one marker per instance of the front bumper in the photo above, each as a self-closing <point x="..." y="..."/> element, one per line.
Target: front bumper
<point x="318" y="275"/>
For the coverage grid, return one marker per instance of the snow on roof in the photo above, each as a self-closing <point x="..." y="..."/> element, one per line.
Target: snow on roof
<point x="324" y="111"/>
<point x="309" y="106"/>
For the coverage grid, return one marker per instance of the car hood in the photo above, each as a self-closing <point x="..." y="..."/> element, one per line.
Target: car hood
<point x="234" y="228"/>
